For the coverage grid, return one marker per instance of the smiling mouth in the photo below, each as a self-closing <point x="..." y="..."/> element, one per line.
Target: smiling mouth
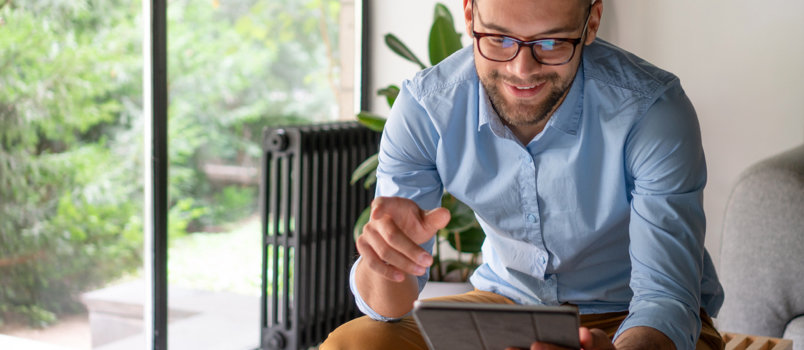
<point x="519" y="90"/>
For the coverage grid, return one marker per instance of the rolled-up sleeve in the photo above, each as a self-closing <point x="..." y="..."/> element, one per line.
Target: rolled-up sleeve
<point x="666" y="163"/>
<point x="406" y="169"/>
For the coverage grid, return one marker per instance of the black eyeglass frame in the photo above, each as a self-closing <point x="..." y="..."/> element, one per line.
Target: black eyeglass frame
<point x="530" y="43"/>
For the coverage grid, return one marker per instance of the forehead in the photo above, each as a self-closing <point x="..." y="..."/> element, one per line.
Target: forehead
<point x="531" y="17"/>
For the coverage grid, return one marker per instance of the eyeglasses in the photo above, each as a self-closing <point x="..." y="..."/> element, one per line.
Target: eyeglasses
<point x="548" y="51"/>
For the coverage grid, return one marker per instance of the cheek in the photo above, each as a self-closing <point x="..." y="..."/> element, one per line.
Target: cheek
<point x="484" y="67"/>
<point x="567" y="74"/>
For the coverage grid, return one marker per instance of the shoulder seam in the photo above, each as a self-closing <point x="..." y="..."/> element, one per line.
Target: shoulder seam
<point x="432" y="88"/>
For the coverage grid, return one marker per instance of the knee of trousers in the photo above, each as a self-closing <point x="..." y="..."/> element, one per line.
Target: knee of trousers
<point x="365" y="333"/>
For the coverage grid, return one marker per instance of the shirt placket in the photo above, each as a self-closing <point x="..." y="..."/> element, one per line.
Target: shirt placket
<point x="532" y="232"/>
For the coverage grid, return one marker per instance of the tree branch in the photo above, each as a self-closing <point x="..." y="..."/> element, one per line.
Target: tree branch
<point x="16" y="260"/>
<point x="322" y="27"/>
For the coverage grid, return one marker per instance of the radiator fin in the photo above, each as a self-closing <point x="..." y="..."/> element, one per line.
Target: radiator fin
<point x="308" y="209"/>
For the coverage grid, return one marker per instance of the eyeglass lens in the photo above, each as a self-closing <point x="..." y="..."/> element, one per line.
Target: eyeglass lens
<point x="549" y="51"/>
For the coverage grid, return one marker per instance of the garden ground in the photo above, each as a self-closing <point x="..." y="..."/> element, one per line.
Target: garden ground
<point x="228" y="262"/>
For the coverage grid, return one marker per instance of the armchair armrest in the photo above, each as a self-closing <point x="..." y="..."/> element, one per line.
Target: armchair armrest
<point x="736" y="341"/>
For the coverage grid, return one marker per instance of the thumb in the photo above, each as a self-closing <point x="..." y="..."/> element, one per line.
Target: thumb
<point x="436" y="219"/>
<point x="594" y="339"/>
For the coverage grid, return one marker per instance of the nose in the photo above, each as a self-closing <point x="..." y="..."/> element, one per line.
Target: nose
<point x="524" y="64"/>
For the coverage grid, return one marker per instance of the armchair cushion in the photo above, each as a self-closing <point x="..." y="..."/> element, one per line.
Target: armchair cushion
<point x="762" y="255"/>
<point x="795" y="330"/>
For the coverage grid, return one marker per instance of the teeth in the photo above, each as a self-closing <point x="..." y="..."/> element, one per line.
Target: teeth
<point x="525" y="87"/>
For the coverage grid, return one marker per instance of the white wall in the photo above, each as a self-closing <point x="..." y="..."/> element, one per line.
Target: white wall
<point x="741" y="63"/>
<point x="410" y="21"/>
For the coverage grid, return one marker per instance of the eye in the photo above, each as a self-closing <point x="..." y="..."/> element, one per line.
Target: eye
<point x="504" y="41"/>
<point x="546" y="45"/>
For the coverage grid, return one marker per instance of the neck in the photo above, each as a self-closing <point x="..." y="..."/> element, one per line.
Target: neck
<point x="525" y="133"/>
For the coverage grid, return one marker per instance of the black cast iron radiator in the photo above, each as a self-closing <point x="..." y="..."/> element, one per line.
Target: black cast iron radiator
<point x="308" y="212"/>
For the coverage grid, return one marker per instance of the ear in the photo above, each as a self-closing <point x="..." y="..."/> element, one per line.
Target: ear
<point x="467" y="16"/>
<point x="594" y="21"/>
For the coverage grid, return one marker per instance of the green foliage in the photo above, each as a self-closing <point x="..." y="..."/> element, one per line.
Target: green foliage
<point x="362" y="220"/>
<point x="469" y="240"/>
<point x="69" y="218"/>
<point x="71" y="128"/>
<point x="399" y="48"/>
<point x="443" y="38"/>
<point x="234" y="202"/>
<point x="234" y="70"/>
<point x="390" y="93"/>
<point x="371" y="121"/>
<point x="463" y="232"/>
<point x="369" y="165"/>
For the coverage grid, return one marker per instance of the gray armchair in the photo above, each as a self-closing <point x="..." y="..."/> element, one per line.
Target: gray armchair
<point x="762" y="255"/>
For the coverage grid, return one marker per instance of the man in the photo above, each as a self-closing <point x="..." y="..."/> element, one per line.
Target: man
<point x="584" y="166"/>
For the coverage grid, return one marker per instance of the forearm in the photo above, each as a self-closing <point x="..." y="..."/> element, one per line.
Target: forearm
<point x="386" y="297"/>
<point x="643" y="338"/>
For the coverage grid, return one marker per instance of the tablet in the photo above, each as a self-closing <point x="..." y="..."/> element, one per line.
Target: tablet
<point x="473" y="326"/>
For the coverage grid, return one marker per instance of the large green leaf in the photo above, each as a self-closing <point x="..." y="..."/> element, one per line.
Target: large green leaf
<point x="400" y="49"/>
<point x="362" y="220"/>
<point x="461" y="215"/>
<point x="371" y="179"/>
<point x="453" y="265"/>
<point x="390" y="93"/>
<point x="443" y="40"/>
<point x="467" y="241"/>
<point x="442" y="11"/>
<point x="371" y="121"/>
<point x="368" y="165"/>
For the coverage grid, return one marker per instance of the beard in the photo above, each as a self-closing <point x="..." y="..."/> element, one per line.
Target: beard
<point x="525" y="113"/>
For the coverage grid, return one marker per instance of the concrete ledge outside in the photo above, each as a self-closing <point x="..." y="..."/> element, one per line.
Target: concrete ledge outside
<point x="14" y="343"/>
<point x="197" y="319"/>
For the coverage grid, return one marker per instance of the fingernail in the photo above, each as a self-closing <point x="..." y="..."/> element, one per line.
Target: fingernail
<point x="398" y="276"/>
<point x="425" y="259"/>
<point x="419" y="270"/>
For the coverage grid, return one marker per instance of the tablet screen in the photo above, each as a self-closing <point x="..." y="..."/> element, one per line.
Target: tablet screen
<point x="446" y="325"/>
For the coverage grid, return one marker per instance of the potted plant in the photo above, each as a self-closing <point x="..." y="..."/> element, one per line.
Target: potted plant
<point x="463" y="233"/>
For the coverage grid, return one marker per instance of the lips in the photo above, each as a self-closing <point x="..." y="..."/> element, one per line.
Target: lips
<point x="523" y="91"/>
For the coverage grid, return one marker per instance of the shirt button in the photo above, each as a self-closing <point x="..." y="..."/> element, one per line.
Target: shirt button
<point x="532" y="218"/>
<point x="543" y="260"/>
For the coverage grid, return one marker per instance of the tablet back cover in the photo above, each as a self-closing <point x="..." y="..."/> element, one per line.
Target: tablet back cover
<point x="453" y="328"/>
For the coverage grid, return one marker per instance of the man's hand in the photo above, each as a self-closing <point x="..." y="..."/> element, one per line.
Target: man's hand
<point x="391" y="256"/>
<point x="632" y="338"/>
<point x="390" y="241"/>
<point x="591" y="339"/>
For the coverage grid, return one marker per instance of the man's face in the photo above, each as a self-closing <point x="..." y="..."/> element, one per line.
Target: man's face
<point x="523" y="91"/>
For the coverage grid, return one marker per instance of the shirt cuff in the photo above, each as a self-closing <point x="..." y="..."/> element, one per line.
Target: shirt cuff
<point x="361" y="304"/>
<point x="676" y="321"/>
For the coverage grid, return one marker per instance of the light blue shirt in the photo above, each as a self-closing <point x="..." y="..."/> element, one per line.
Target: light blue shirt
<point x="603" y="209"/>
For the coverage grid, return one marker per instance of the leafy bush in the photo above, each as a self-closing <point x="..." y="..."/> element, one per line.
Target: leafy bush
<point x="69" y="215"/>
<point x="234" y="70"/>
<point x="71" y="128"/>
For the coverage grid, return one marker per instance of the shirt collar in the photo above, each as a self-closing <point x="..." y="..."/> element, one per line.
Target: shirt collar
<point x="487" y="114"/>
<point x="566" y="117"/>
<point x="568" y="114"/>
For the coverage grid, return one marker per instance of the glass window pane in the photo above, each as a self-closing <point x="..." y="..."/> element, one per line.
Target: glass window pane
<point x="235" y="68"/>
<point x="71" y="160"/>
<point x="70" y="164"/>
